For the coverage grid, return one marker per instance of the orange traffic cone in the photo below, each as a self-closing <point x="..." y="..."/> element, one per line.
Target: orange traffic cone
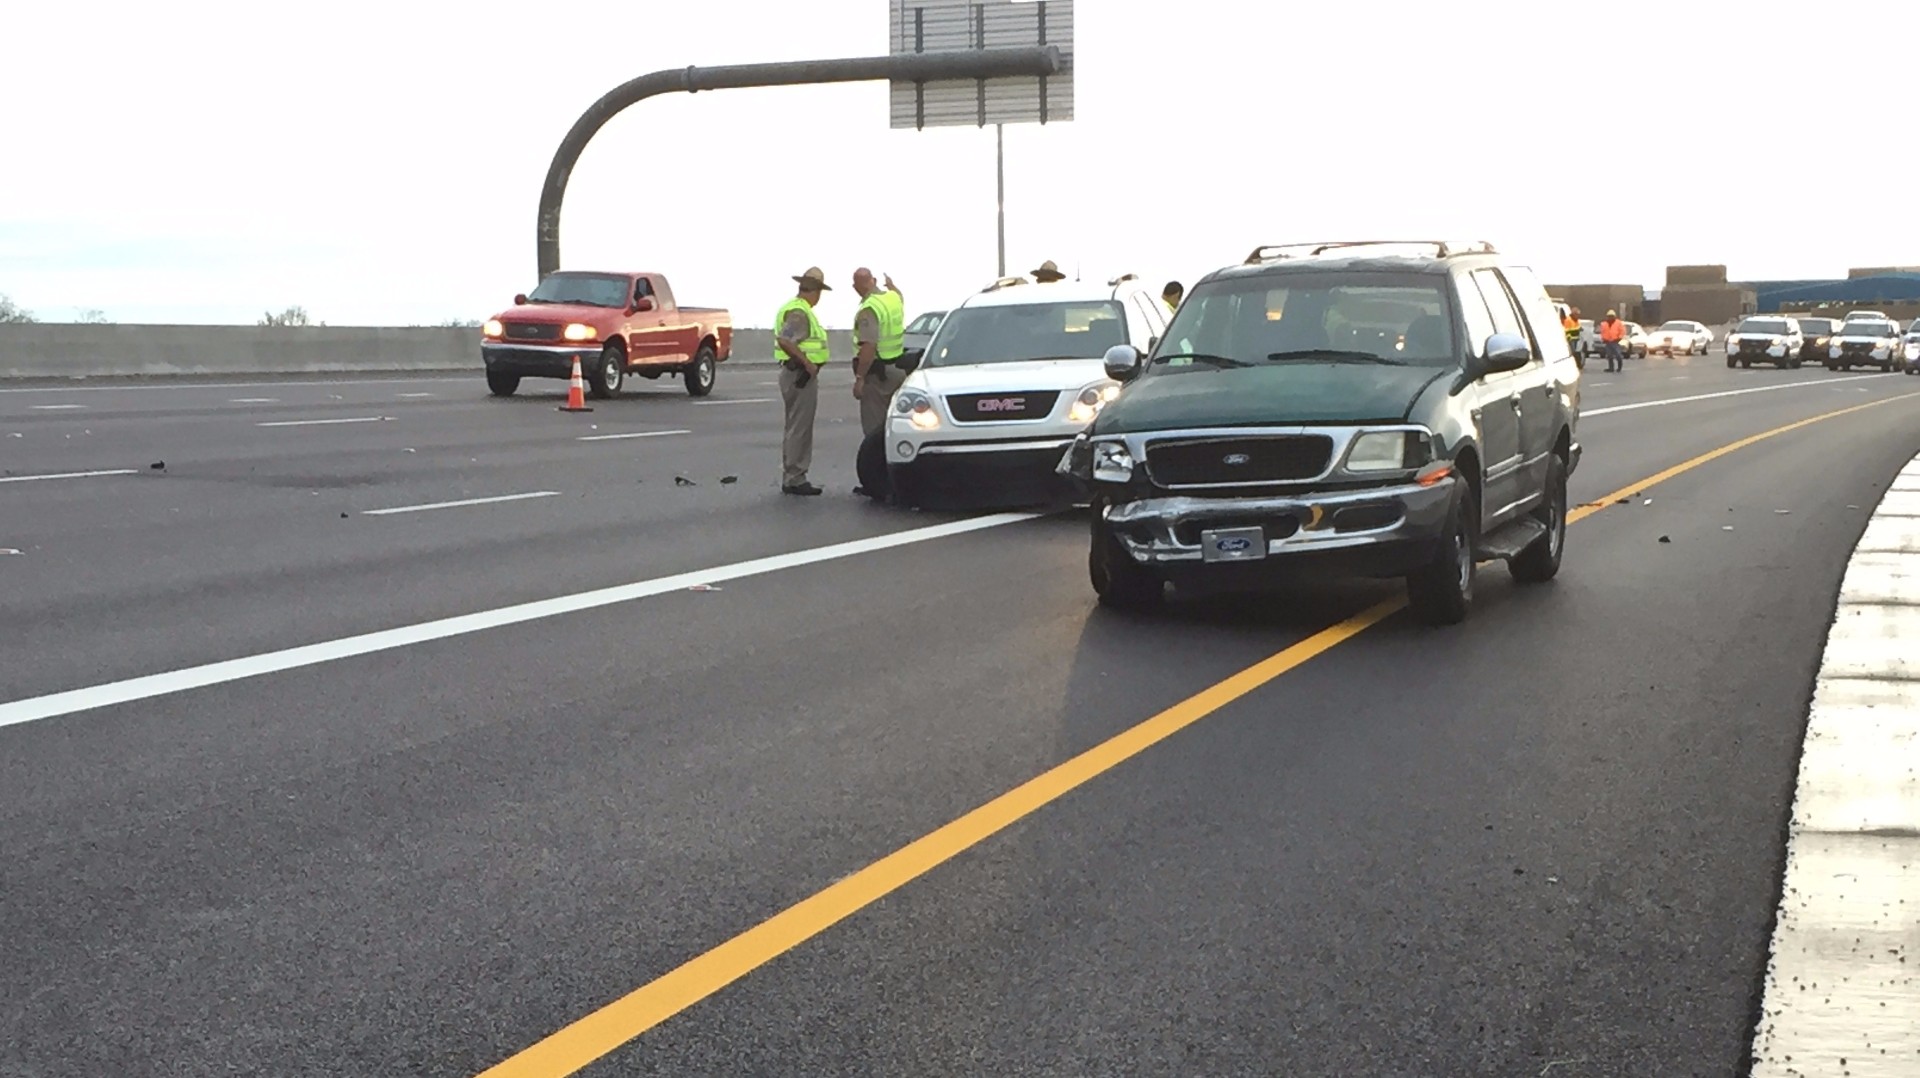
<point x="576" y="392"/>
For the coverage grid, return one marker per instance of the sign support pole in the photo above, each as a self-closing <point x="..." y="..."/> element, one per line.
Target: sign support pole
<point x="1000" y="176"/>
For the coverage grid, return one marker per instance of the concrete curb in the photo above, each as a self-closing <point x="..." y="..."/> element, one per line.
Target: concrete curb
<point x="1842" y="993"/>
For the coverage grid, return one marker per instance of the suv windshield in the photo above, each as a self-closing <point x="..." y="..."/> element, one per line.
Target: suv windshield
<point x="1761" y="325"/>
<point x="1302" y="317"/>
<point x="926" y="323"/>
<point x="589" y="289"/>
<point x="1025" y="331"/>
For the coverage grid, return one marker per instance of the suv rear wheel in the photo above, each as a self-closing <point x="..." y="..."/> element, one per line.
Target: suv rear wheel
<point x="1441" y="591"/>
<point x="1118" y="580"/>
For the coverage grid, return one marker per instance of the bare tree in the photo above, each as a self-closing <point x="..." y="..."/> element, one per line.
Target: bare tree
<point x="292" y="316"/>
<point x="94" y="316"/>
<point x="461" y="323"/>
<point x="12" y="313"/>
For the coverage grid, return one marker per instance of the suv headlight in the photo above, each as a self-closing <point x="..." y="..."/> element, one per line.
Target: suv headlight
<point x="1112" y="463"/>
<point x="917" y="408"/>
<point x="577" y="331"/>
<point x="1389" y="451"/>
<point x="1091" y="400"/>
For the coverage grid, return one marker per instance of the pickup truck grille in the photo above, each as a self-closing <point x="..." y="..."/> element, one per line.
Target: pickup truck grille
<point x="1270" y="459"/>
<point x="1000" y="407"/>
<point x="532" y="331"/>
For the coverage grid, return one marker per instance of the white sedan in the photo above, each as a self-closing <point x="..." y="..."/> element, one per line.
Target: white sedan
<point x="1680" y="338"/>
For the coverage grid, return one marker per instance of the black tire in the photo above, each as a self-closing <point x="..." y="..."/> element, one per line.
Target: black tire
<point x="609" y="373"/>
<point x="870" y="464"/>
<point x="1746" y="364"/>
<point x="1793" y="364"/>
<point x="1117" y="579"/>
<point x="502" y="385"/>
<point x="1441" y="591"/>
<point x="701" y="372"/>
<point x="1540" y="562"/>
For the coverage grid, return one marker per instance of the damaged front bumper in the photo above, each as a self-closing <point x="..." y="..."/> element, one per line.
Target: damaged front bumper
<point x="1176" y="529"/>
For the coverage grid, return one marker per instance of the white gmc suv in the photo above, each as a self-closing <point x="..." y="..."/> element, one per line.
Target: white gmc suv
<point x="1012" y="375"/>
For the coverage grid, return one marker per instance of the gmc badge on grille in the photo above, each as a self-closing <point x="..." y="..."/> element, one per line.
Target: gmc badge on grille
<point x="1003" y="404"/>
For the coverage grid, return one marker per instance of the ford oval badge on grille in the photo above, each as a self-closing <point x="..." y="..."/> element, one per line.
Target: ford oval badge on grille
<point x="1235" y="459"/>
<point x="1233" y="546"/>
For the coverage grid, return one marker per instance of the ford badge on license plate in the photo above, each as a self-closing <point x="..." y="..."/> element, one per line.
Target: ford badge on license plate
<point x="1233" y="544"/>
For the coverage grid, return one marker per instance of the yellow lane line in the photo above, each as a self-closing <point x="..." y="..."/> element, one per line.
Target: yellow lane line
<point x="594" y="1036"/>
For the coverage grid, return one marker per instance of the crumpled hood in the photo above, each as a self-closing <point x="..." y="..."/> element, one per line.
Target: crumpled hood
<point x="1275" y="394"/>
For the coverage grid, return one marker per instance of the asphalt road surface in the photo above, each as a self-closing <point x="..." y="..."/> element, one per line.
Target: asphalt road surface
<point x="1549" y="840"/>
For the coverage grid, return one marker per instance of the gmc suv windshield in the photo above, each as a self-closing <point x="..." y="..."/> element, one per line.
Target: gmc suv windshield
<point x="1312" y="317"/>
<point x="588" y="289"/>
<point x="1028" y="331"/>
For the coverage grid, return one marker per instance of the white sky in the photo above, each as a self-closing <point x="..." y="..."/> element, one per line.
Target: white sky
<point x="380" y="163"/>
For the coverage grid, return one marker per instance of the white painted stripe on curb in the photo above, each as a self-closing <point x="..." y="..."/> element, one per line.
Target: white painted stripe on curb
<point x="1843" y="973"/>
<point x="177" y="681"/>
<point x="326" y="422"/>
<point x="1662" y="403"/>
<point x="461" y="502"/>
<point x="631" y="434"/>
<point x="66" y="475"/>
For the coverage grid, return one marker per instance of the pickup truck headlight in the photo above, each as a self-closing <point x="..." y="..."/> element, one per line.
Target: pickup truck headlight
<point x="493" y="328"/>
<point x="1388" y="451"/>
<point x="1112" y="463"/>
<point x="577" y="331"/>
<point x="917" y="407"/>
<point x="1091" y="400"/>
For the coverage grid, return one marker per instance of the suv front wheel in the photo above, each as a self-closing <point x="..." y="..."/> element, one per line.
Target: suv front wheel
<point x="1440" y="592"/>
<point x="1118" y="580"/>
<point x="1540" y="562"/>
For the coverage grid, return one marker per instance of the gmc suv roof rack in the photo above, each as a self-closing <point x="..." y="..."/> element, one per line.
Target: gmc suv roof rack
<point x="1442" y="248"/>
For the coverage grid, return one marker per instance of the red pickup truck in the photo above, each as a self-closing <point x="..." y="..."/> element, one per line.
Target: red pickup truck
<point x="616" y="324"/>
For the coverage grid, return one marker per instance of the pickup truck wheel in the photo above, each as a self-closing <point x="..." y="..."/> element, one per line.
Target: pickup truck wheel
<point x="608" y="375"/>
<point x="699" y="375"/>
<point x="1441" y="591"/>
<point x="1540" y="562"/>
<point x="1118" y="580"/>
<point x="502" y="385"/>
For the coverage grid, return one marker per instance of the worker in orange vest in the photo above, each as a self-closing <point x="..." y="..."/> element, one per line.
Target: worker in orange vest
<point x="1612" y="332"/>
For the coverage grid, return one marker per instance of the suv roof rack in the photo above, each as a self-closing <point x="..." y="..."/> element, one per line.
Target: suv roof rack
<point x="1441" y="248"/>
<point x="1122" y="279"/>
<point x="1004" y="282"/>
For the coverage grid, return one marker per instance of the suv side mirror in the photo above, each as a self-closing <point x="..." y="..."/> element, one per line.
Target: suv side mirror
<point x="520" y="300"/>
<point x="1504" y="352"/>
<point x="1122" y="362"/>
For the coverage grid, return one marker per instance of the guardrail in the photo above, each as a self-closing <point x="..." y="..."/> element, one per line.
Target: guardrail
<point x="64" y="350"/>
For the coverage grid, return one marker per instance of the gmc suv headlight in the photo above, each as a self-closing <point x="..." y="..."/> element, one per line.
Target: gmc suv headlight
<point x="1112" y="463"/>
<point x="917" y="408"/>
<point x="1091" y="400"/>
<point x="1389" y="451"/>
<point x="577" y="331"/>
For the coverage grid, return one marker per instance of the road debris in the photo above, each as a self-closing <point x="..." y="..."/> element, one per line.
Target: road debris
<point x="683" y="481"/>
<point x="1778" y="512"/>
<point x="726" y="479"/>
<point x="7" y="550"/>
<point x="1726" y="527"/>
<point x="158" y="466"/>
<point x="1666" y="539"/>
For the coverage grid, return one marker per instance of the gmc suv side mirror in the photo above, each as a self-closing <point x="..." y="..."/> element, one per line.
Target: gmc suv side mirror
<point x="1122" y="362"/>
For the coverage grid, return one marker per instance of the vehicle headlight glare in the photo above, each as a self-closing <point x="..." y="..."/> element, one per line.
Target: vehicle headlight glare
<point x="493" y="328"/>
<point x="1378" y="451"/>
<point x="577" y="331"/>
<point x="911" y="400"/>
<point x="925" y="419"/>
<point x="1112" y="463"/>
<point x="1090" y="401"/>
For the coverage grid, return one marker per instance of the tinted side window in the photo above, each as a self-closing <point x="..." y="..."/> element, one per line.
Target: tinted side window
<point x="1505" y="318"/>
<point x="1473" y="311"/>
<point x="1548" y="339"/>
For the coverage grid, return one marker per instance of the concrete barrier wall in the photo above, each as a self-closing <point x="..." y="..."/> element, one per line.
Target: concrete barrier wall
<point x="49" y="350"/>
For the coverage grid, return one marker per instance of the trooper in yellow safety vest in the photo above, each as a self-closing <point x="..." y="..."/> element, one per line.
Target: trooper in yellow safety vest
<point x="879" y="340"/>
<point x="800" y="345"/>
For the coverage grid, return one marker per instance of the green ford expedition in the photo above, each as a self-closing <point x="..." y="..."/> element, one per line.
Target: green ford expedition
<point x="1380" y="408"/>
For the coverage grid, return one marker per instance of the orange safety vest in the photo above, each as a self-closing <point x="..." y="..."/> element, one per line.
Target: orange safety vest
<point x="1614" y="331"/>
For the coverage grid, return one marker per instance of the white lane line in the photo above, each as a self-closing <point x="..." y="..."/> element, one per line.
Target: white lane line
<point x="282" y="384"/>
<point x="745" y="400"/>
<point x="414" y="396"/>
<point x="177" y="681"/>
<point x="631" y="434"/>
<point x="56" y="407"/>
<point x="66" y="475"/>
<point x="1841" y="984"/>
<point x="326" y="422"/>
<point x="464" y="501"/>
<point x="255" y="400"/>
<point x="1587" y="413"/>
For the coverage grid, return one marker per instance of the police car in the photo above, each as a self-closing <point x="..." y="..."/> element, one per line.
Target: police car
<point x="1008" y="380"/>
